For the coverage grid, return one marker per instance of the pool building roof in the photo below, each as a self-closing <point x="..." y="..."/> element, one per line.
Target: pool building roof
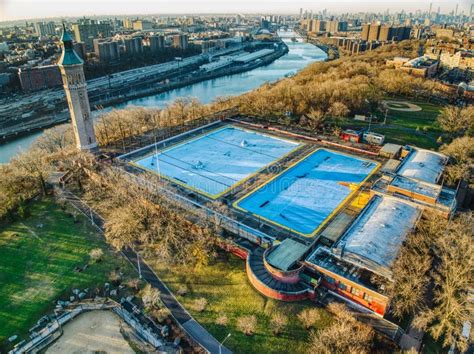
<point x="424" y="165"/>
<point x="375" y="237"/>
<point x="416" y="186"/>
<point x="286" y="254"/>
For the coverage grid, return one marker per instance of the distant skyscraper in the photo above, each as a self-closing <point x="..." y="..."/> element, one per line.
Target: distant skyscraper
<point x="374" y="31"/>
<point x="44" y="29"/>
<point x="106" y="50"/>
<point x="72" y="72"/>
<point x="157" y="44"/>
<point x="180" y="41"/>
<point x="133" y="46"/>
<point x="365" y="32"/>
<point x="87" y="30"/>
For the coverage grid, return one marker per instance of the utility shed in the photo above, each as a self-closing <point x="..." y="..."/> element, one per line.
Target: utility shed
<point x="391" y="151"/>
<point x="374" y="239"/>
<point x="286" y="254"/>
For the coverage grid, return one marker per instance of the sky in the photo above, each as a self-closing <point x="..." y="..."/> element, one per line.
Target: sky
<point x="27" y="9"/>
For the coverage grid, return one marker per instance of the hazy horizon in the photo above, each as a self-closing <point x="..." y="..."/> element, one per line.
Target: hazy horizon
<point x="11" y="10"/>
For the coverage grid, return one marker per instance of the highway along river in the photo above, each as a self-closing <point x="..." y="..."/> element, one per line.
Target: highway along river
<point x="300" y="55"/>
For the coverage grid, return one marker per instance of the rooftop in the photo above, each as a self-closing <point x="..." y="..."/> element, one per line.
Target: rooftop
<point x="323" y="257"/>
<point x="416" y="186"/>
<point x="390" y="148"/>
<point x="286" y="254"/>
<point x="424" y="165"/>
<point x="375" y="237"/>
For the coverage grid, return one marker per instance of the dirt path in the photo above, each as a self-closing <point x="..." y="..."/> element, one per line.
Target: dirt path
<point x="92" y="332"/>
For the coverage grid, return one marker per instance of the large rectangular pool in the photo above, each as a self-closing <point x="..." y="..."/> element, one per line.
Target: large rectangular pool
<point x="303" y="197"/>
<point x="215" y="162"/>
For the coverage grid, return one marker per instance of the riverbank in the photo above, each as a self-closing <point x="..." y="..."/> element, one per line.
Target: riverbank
<point x="125" y="94"/>
<point x="300" y="54"/>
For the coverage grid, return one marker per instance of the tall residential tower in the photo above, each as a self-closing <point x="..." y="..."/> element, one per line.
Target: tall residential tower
<point x="72" y="72"/>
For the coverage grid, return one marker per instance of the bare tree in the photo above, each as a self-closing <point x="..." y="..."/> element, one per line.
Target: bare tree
<point x="456" y="120"/>
<point x="279" y="322"/>
<point x="452" y="276"/>
<point x="309" y="317"/>
<point x="345" y="335"/>
<point x="247" y="324"/>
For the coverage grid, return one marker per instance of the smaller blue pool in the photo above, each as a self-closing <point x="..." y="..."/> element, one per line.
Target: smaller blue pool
<point x="304" y="196"/>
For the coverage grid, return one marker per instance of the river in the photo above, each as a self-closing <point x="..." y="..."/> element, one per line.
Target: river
<point x="300" y="55"/>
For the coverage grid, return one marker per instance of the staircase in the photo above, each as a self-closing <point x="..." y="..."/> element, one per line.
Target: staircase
<point x="271" y="287"/>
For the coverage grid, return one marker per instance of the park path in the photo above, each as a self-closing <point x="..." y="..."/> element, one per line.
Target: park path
<point x="197" y="332"/>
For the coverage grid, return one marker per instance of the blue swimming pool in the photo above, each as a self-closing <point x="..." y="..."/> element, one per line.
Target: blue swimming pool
<point x="217" y="161"/>
<point x="306" y="194"/>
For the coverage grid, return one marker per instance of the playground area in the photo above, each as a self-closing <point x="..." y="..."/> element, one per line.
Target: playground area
<point x="308" y="193"/>
<point x="213" y="163"/>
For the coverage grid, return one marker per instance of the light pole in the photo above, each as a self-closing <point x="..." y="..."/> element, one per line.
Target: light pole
<point x="222" y="343"/>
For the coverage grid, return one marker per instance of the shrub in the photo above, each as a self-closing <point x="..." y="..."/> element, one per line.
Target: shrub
<point x="278" y="321"/>
<point x="247" y="324"/>
<point x="162" y="314"/>
<point x="222" y="320"/>
<point x="309" y="317"/>
<point x="133" y="284"/>
<point x="151" y="297"/>
<point x="182" y="290"/>
<point x="200" y="304"/>
<point x="96" y="255"/>
<point x="115" y="277"/>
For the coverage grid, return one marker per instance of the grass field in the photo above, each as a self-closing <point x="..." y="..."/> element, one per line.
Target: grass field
<point x="225" y="286"/>
<point x="426" y="118"/>
<point x="37" y="259"/>
<point x="415" y="128"/>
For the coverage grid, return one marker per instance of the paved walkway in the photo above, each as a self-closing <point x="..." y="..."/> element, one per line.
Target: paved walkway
<point x="191" y="326"/>
<point x="197" y="332"/>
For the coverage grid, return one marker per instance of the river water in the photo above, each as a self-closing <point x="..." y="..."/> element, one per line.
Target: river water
<point x="300" y="55"/>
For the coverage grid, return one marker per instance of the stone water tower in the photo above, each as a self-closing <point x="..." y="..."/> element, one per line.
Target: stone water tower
<point x="75" y="86"/>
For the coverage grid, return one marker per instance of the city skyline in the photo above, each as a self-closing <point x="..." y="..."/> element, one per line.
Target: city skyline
<point x="30" y="9"/>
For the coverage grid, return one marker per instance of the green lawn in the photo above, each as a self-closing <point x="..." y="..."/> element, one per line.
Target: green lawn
<point x="37" y="259"/>
<point x="424" y="118"/>
<point x="414" y="128"/>
<point x="400" y="136"/>
<point x="225" y="286"/>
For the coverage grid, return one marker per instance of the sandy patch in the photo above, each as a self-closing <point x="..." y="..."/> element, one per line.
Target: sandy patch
<point x="92" y="332"/>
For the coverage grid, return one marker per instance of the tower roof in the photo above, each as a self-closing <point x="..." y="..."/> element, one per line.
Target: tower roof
<point x="68" y="56"/>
